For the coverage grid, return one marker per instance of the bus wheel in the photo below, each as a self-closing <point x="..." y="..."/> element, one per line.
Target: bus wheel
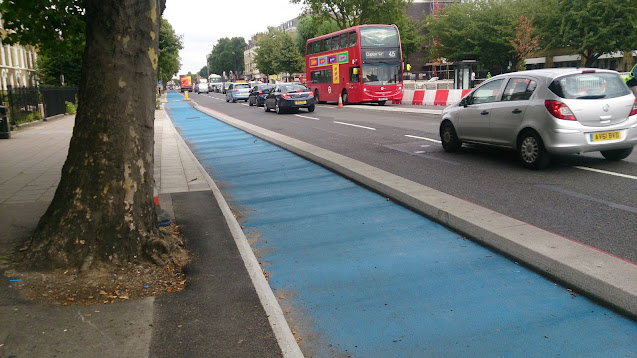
<point x="345" y="97"/>
<point x="316" y="97"/>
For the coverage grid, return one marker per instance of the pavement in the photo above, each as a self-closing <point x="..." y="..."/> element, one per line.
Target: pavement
<point x="224" y="312"/>
<point x="228" y="309"/>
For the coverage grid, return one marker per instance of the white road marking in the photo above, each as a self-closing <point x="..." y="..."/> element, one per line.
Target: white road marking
<point x="429" y="139"/>
<point x="355" y="125"/>
<point x="298" y="115"/>
<point x="607" y="172"/>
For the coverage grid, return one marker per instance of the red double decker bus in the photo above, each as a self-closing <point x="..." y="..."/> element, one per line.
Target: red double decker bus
<point x="361" y="64"/>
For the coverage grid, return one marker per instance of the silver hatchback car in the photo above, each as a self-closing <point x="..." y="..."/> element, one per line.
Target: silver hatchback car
<point x="544" y="112"/>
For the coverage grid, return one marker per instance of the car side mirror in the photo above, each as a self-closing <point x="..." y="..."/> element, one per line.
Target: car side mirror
<point x="464" y="102"/>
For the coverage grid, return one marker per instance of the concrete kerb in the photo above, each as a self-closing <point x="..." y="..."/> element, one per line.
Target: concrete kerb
<point x="280" y="327"/>
<point x="597" y="274"/>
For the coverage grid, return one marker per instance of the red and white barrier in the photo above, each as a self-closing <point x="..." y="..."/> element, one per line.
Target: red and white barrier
<point x="443" y="97"/>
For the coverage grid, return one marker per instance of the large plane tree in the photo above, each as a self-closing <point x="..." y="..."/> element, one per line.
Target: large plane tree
<point x="102" y="211"/>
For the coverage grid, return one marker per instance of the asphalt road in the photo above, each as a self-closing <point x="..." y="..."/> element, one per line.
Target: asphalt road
<point x="582" y="197"/>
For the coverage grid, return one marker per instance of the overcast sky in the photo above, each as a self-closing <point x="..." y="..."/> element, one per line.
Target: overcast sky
<point x="221" y="18"/>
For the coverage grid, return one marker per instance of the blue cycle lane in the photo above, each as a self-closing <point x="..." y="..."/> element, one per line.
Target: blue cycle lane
<point x="360" y="276"/>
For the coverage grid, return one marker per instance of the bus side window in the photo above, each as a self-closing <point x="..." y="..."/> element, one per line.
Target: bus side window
<point x="317" y="47"/>
<point x="354" y="74"/>
<point x="352" y="38"/>
<point x="326" y="44"/>
<point x="343" y="41"/>
<point x="335" y="43"/>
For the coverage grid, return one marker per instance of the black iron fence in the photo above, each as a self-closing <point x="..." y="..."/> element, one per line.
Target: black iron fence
<point x="23" y="102"/>
<point x="55" y="98"/>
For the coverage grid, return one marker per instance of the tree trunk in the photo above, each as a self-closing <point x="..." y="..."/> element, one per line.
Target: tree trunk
<point x="103" y="210"/>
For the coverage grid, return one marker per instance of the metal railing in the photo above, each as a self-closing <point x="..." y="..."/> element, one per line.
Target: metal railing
<point x="22" y="102"/>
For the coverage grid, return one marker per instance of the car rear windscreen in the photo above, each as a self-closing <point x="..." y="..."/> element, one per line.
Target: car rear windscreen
<point x="589" y="85"/>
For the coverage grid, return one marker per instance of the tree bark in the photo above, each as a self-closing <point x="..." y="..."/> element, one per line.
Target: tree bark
<point x="102" y="210"/>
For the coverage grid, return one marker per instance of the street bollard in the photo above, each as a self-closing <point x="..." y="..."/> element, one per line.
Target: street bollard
<point x="5" y="129"/>
<point x="186" y="94"/>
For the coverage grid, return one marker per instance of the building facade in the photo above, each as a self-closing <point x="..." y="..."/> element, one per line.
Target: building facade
<point x="17" y="64"/>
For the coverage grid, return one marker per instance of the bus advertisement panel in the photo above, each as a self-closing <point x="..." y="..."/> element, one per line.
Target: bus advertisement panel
<point x="360" y="64"/>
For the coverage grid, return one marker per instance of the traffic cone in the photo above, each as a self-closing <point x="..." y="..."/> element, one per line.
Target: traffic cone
<point x="340" y="101"/>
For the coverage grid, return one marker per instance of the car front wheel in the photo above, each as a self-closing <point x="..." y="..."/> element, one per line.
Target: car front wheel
<point x="265" y="107"/>
<point x="449" y="138"/>
<point x="531" y="151"/>
<point x="616" y="154"/>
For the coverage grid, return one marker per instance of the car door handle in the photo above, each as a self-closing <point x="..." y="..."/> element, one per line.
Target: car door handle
<point x="484" y="113"/>
<point x="516" y="111"/>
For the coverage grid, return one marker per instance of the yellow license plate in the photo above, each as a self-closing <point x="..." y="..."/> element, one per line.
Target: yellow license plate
<point x="602" y="136"/>
<point x="300" y="102"/>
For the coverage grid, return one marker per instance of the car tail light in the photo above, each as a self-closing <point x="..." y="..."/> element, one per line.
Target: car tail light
<point x="310" y="95"/>
<point x="559" y="110"/>
<point x="634" y="110"/>
<point x="260" y="92"/>
<point x="285" y="95"/>
<point x="236" y="90"/>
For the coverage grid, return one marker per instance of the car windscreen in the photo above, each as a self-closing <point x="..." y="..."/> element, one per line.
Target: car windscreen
<point x="241" y="85"/>
<point x="589" y="85"/>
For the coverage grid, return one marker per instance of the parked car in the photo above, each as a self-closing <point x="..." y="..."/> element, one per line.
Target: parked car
<point x="258" y="93"/>
<point x="544" y="112"/>
<point x="237" y="91"/>
<point x="289" y="96"/>
<point x="202" y="87"/>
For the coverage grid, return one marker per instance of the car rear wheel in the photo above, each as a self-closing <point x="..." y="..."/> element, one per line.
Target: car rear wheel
<point x="310" y="108"/>
<point x="532" y="152"/>
<point x="265" y="107"/>
<point x="250" y="103"/>
<point x="449" y="138"/>
<point x="616" y="154"/>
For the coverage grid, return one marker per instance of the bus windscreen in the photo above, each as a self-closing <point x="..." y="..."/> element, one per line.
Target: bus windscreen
<point x="381" y="73"/>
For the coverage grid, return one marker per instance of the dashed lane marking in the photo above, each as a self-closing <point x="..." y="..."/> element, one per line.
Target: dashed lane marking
<point x="355" y="125"/>
<point x="607" y="172"/>
<point x="429" y="139"/>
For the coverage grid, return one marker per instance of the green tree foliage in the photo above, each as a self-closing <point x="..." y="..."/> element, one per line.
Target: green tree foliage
<point x="278" y="52"/>
<point x="227" y="55"/>
<point x="590" y="28"/>
<point x="169" y="45"/>
<point x="313" y="26"/>
<point x="347" y="13"/>
<point x="480" y="30"/>
<point x="56" y="27"/>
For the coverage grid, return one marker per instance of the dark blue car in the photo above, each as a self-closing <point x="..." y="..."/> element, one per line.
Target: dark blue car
<point x="258" y="93"/>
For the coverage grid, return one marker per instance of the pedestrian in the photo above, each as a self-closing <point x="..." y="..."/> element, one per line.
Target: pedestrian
<point x="473" y="79"/>
<point x="488" y="74"/>
<point x="631" y="81"/>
